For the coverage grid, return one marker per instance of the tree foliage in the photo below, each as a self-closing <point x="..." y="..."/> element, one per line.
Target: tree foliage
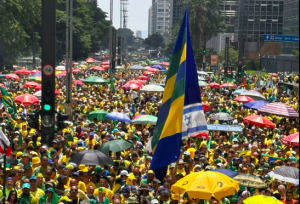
<point x="128" y="35"/>
<point x="233" y="56"/>
<point x="20" y="28"/>
<point x="155" y="40"/>
<point x="172" y="40"/>
<point x="296" y="53"/>
<point x="205" y="20"/>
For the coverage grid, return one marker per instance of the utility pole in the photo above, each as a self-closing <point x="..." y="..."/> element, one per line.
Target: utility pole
<point x="69" y="55"/>
<point x="111" y="40"/>
<point x="226" y="56"/>
<point x="241" y="60"/>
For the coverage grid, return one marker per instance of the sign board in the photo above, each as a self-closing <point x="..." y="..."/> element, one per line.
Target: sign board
<point x="214" y="60"/>
<point x="281" y="38"/>
<point x="226" y="128"/>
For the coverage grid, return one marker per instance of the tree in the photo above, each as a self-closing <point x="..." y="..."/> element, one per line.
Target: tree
<point x="233" y="56"/>
<point x="172" y="40"/>
<point x="155" y="41"/>
<point x="205" y="20"/>
<point x="296" y="53"/>
<point x="128" y="35"/>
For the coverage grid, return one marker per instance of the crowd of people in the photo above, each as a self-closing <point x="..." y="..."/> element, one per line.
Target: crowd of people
<point x="42" y="174"/>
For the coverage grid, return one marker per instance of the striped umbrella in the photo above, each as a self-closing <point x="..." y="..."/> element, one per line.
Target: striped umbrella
<point x="280" y="109"/>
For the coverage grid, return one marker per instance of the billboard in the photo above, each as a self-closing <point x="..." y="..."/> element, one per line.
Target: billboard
<point x="214" y="60"/>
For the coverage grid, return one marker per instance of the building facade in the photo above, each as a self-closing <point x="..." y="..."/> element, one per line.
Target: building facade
<point x="138" y="34"/>
<point x="290" y="25"/>
<point x="160" y="16"/>
<point x="176" y="12"/>
<point x="255" y="18"/>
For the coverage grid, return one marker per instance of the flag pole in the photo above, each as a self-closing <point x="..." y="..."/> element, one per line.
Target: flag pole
<point x="4" y="172"/>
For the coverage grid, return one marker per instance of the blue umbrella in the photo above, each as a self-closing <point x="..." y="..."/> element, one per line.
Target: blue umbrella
<point x="227" y="172"/>
<point x="239" y="91"/>
<point x="157" y="66"/>
<point x="255" y="104"/>
<point x="119" y="116"/>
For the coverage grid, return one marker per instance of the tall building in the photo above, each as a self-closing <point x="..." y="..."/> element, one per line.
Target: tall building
<point x="255" y="18"/>
<point x="160" y="16"/>
<point x="176" y="12"/>
<point x="290" y="25"/>
<point x="150" y="21"/>
<point x="138" y="34"/>
<point x="228" y="10"/>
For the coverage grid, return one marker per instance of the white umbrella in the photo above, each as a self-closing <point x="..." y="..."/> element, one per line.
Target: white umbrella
<point x="60" y="68"/>
<point x="152" y="88"/>
<point x="202" y="73"/>
<point x="38" y="93"/>
<point x="200" y="78"/>
<point x="137" y="67"/>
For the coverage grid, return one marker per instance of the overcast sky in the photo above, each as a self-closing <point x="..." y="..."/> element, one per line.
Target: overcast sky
<point x="137" y="14"/>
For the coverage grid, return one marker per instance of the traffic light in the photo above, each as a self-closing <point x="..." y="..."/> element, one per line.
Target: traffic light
<point x="61" y="117"/>
<point x="34" y="120"/>
<point x="204" y="51"/>
<point x="239" y="70"/>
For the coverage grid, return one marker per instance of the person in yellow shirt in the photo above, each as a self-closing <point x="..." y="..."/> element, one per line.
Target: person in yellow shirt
<point x="66" y="157"/>
<point x="80" y="184"/>
<point x="34" y="190"/>
<point x="91" y="142"/>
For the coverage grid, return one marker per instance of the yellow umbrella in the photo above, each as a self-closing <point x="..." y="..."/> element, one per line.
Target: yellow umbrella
<point x="204" y="185"/>
<point x="261" y="199"/>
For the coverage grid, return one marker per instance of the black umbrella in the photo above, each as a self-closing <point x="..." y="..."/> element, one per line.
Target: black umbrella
<point x="9" y="160"/>
<point x="91" y="157"/>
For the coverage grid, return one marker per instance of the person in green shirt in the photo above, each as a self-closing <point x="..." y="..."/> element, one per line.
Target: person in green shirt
<point x="26" y="197"/>
<point x="44" y="166"/>
<point x="9" y="186"/>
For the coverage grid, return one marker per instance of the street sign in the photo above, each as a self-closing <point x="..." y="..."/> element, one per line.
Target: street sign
<point x="281" y="38"/>
<point x="48" y="70"/>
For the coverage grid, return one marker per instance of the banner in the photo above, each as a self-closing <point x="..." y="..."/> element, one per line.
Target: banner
<point x="214" y="60"/>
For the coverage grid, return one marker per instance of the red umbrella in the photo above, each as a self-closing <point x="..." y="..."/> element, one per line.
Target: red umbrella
<point x="78" y="82"/>
<point x="165" y="63"/>
<point x="259" y="120"/>
<point x="23" y="71"/>
<point x="292" y="139"/>
<point x="154" y="70"/>
<point x="38" y="87"/>
<point x="228" y="71"/>
<point x="143" y="78"/>
<point x="56" y="91"/>
<point x="243" y="99"/>
<point x="228" y="85"/>
<point x="205" y="106"/>
<point x="64" y="73"/>
<point x="2" y="85"/>
<point x="137" y="116"/>
<point x="129" y="85"/>
<point x="31" y="84"/>
<point x="273" y="74"/>
<point x="147" y="73"/>
<point x="202" y="135"/>
<point x="13" y="76"/>
<point x="34" y="71"/>
<point x="75" y="63"/>
<point x="97" y="68"/>
<point x="140" y="82"/>
<point x="214" y="85"/>
<point x="27" y="99"/>
<point x="90" y="59"/>
<point x="76" y="70"/>
<point x="106" y="66"/>
<point x="105" y="63"/>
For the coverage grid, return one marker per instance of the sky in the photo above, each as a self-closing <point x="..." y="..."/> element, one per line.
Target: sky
<point x="137" y="14"/>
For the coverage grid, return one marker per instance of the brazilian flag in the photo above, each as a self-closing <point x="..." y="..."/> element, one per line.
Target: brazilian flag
<point x="8" y="101"/>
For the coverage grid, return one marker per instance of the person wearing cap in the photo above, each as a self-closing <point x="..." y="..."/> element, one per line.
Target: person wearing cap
<point x="26" y="196"/>
<point x="120" y="181"/>
<point x="9" y="186"/>
<point x="91" y="142"/>
<point x="125" y="193"/>
<point x="102" y="196"/>
<point x="25" y="161"/>
<point x="34" y="190"/>
<point x="150" y="177"/>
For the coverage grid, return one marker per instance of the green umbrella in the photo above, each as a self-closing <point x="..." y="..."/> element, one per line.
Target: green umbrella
<point x="145" y="120"/>
<point x="202" y="83"/>
<point x="153" y="62"/>
<point x="32" y="78"/>
<point x="98" y="114"/>
<point x="202" y="73"/>
<point x="94" y="80"/>
<point x="114" y="146"/>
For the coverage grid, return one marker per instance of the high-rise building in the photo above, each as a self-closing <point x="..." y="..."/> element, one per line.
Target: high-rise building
<point x="228" y="10"/>
<point x="160" y="16"/>
<point x="150" y="21"/>
<point x="176" y="12"/>
<point x="138" y="34"/>
<point x="255" y="18"/>
<point x="290" y="25"/>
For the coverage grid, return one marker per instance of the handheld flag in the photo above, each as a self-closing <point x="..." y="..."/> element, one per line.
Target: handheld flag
<point x="8" y="101"/>
<point x="181" y="114"/>
<point x="4" y="144"/>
